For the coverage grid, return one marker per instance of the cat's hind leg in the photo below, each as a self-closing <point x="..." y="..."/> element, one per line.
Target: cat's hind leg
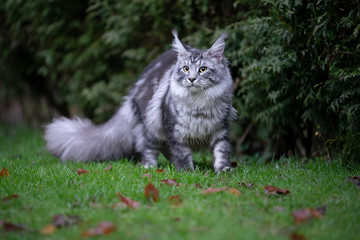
<point x="147" y="145"/>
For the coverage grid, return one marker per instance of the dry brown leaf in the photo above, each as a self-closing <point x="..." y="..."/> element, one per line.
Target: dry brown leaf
<point x="297" y="236"/>
<point x="273" y="190"/>
<point x="305" y="214"/>
<point x="175" y="200"/>
<point x="233" y="164"/>
<point x="212" y="190"/>
<point x="48" y="230"/>
<point x="59" y="220"/>
<point x="81" y="171"/>
<point x="10" y="197"/>
<point x="128" y="202"/>
<point x="108" y="168"/>
<point x="355" y="180"/>
<point x="11" y="227"/>
<point x="151" y="191"/>
<point x="104" y="228"/>
<point x="170" y="182"/>
<point x="159" y="170"/>
<point x="302" y="215"/>
<point x="246" y="185"/>
<point x="4" y="173"/>
<point x="234" y="192"/>
<point x="176" y="219"/>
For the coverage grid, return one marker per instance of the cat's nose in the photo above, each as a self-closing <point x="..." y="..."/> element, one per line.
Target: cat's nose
<point x="192" y="79"/>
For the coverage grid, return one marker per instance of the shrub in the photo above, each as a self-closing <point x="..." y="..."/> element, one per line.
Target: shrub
<point x="295" y="63"/>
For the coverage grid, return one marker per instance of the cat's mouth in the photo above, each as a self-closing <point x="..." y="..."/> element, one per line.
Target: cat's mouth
<point x="194" y="88"/>
<point x="192" y="85"/>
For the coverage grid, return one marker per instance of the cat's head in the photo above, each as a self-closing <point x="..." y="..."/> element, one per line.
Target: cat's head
<point x="200" y="69"/>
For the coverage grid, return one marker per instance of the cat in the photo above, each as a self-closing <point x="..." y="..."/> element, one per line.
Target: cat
<point x="181" y="101"/>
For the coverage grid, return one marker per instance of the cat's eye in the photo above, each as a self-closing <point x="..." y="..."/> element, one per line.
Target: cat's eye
<point x="202" y="69"/>
<point x="186" y="69"/>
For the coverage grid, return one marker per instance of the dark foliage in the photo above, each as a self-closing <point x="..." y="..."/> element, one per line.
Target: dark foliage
<point x="296" y="64"/>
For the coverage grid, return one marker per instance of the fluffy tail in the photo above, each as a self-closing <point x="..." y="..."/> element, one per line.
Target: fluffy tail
<point x="80" y="140"/>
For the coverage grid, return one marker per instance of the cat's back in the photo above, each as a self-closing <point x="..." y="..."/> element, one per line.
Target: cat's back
<point x="157" y="68"/>
<point x="152" y="80"/>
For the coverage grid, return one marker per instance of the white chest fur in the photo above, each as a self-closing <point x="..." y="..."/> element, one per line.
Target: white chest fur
<point x="197" y="118"/>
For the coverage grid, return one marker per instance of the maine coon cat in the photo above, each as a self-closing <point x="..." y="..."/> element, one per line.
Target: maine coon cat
<point x="181" y="101"/>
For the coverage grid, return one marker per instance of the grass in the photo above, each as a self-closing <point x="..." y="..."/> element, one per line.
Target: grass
<point x="47" y="187"/>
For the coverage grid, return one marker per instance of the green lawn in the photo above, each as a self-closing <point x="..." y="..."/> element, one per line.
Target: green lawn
<point x="45" y="187"/>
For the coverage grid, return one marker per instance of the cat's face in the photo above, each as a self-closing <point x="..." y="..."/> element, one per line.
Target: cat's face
<point x="198" y="70"/>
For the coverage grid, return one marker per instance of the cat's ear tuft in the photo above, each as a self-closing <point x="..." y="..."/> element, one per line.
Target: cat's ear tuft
<point x="217" y="49"/>
<point x="178" y="46"/>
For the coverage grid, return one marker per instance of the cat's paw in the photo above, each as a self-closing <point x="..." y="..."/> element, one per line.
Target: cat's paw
<point x="147" y="165"/>
<point x="224" y="169"/>
<point x="187" y="168"/>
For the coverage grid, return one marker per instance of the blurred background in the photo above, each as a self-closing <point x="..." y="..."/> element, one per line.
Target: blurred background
<point x="295" y="64"/>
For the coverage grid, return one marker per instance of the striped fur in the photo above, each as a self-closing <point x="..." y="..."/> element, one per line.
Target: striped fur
<point x="170" y="110"/>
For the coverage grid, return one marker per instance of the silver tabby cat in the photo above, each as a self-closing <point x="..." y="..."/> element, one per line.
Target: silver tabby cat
<point x="182" y="101"/>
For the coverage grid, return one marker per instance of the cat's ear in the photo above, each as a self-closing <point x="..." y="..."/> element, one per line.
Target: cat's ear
<point x="178" y="46"/>
<point x="217" y="49"/>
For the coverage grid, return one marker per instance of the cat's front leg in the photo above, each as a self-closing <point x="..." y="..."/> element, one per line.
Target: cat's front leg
<point x="149" y="158"/>
<point x="221" y="150"/>
<point x="181" y="156"/>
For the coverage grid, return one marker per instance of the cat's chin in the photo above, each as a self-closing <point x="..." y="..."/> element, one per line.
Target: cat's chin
<point x="194" y="89"/>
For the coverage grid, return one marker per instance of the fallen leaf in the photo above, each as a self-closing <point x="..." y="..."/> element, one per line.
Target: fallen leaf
<point x="4" y="172"/>
<point x="159" y="170"/>
<point x="11" y="227"/>
<point x="175" y="200"/>
<point x="11" y="197"/>
<point x="207" y="173"/>
<point x="170" y="182"/>
<point x="151" y="191"/>
<point x="297" y="236"/>
<point x="234" y="192"/>
<point x="48" y="230"/>
<point x="212" y="190"/>
<point x="246" y="185"/>
<point x="176" y="219"/>
<point x="81" y="171"/>
<point x="60" y="220"/>
<point x="128" y="202"/>
<point x="146" y="175"/>
<point x="108" y="168"/>
<point x="104" y="228"/>
<point x="233" y="164"/>
<point x="197" y="185"/>
<point x="355" y="180"/>
<point x="301" y="215"/>
<point x="321" y="210"/>
<point x="272" y="190"/>
<point x="305" y="214"/>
